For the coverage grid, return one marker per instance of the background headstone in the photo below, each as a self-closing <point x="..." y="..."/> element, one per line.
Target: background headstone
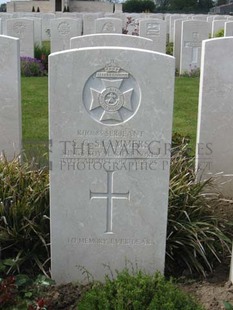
<point x="192" y="35"/>
<point x="10" y="94"/>
<point x="154" y="29"/>
<point x="112" y="39"/>
<point x="228" y="29"/>
<point x="215" y="117"/>
<point x="62" y="30"/>
<point x="108" y="25"/>
<point x="23" y="29"/>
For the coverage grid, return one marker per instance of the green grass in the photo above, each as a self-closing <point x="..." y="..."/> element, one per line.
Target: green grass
<point x="35" y="110"/>
<point x="35" y="116"/>
<point x="186" y="107"/>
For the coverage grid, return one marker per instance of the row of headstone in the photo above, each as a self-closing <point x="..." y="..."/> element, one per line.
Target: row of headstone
<point x="61" y="30"/>
<point x="187" y="34"/>
<point x="107" y="146"/>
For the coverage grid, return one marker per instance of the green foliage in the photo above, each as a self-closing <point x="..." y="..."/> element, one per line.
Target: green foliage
<point x="22" y="292"/>
<point x="221" y="2"/>
<point x="31" y="67"/>
<point x="169" y="48"/>
<point x="38" y="9"/>
<point x="138" y="291"/>
<point x="192" y="72"/>
<point x="42" y="52"/>
<point x="33" y="9"/>
<point x="138" y="6"/>
<point x="227" y="305"/>
<point x="24" y="217"/>
<point x="219" y="33"/>
<point x="183" y="5"/>
<point x="196" y="238"/>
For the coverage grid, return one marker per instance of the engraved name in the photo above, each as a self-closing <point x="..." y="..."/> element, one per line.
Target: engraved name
<point x="110" y="241"/>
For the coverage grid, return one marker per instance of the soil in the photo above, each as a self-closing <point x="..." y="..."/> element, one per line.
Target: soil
<point x="210" y="292"/>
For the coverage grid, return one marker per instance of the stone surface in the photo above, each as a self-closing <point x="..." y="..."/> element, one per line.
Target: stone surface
<point x="177" y="41"/>
<point x="37" y="30"/>
<point x="215" y="124"/>
<point x="110" y="126"/>
<point x="22" y="29"/>
<point x="154" y="29"/>
<point x="62" y="30"/>
<point x="4" y="17"/>
<point x="228" y="29"/>
<point x="10" y="94"/>
<point x="46" y="18"/>
<point x="216" y="26"/>
<point x="111" y="40"/>
<point x="108" y="25"/>
<point x="192" y="35"/>
<point x="89" y="22"/>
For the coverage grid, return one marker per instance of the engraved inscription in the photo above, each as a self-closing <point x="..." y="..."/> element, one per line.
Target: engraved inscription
<point x="19" y="29"/>
<point x="111" y="96"/>
<point x="63" y="29"/>
<point x="108" y="27"/>
<point x="110" y="241"/>
<point x="109" y="195"/>
<point x="153" y="29"/>
<point x="195" y="44"/>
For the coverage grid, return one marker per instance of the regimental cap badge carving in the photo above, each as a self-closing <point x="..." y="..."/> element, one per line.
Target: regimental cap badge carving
<point x="111" y="95"/>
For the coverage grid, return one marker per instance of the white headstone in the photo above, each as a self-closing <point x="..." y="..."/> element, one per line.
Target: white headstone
<point x="110" y="126"/>
<point x="23" y="29"/>
<point x="177" y="42"/>
<point x="171" y="25"/>
<point x="4" y="17"/>
<point x="228" y="29"/>
<point x="37" y="30"/>
<point x="62" y="30"/>
<point x="89" y="22"/>
<point x="10" y="98"/>
<point x="216" y="26"/>
<point x="112" y="39"/>
<point x="215" y="116"/>
<point x="200" y="17"/>
<point x="46" y="18"/>
<point x="108" y="25"/>
<point x="154" y="29"/>
<point x="192" y="35"/>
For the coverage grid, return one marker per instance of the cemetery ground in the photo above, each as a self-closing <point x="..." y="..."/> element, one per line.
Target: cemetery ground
<point x="207" y="281"/>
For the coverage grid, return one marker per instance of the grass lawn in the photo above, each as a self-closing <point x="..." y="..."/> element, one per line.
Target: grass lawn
<point x="35" y="111"/>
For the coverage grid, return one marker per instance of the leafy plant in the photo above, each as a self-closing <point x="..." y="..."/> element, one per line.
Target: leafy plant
<point x="136" y="291"/>
<point x="196" y="238"/>
<point x="219" y="33"/>
<point x="22" y="292"/>
<point x="42" y="52"/>
<point x="31" y="67"/>
<point x="227" y="305"/>
<point x="24" y="217"/>
<point x="138" y="6"/>
<point x="192" y="72"/>
<point x="169" y="48"/>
